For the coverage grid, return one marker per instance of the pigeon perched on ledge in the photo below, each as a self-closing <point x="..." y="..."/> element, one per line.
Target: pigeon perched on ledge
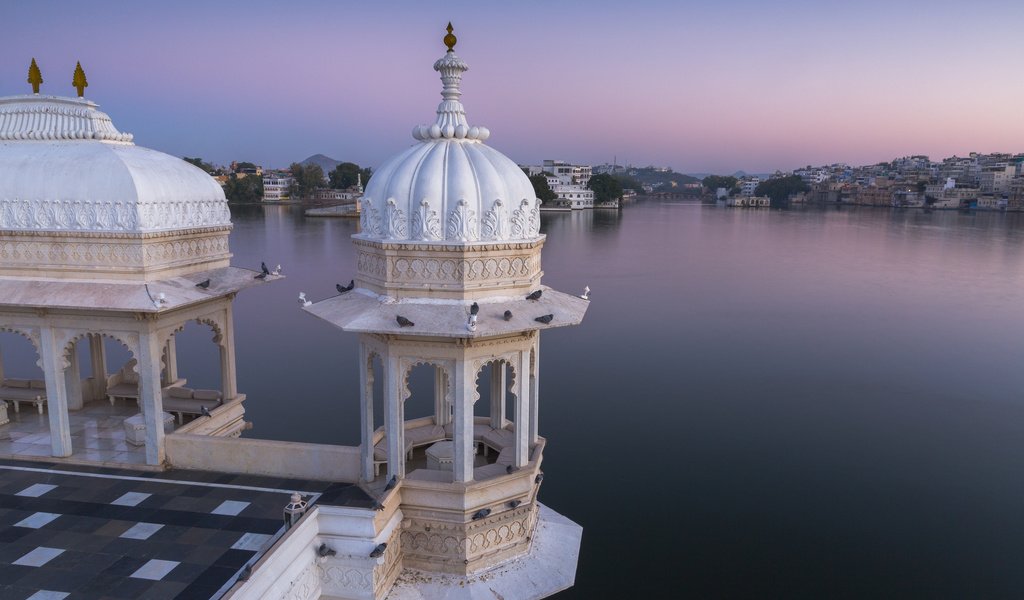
<point x="545" y="319"/>
<point x="345" y="288"/>
<point x="203" y="284"/>
<point x="508" y="315"/>
<point x="403" y="322"/>
<point x="535" y="295"/>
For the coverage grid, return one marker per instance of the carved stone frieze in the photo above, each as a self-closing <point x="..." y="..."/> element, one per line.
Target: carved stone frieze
<point x="306" y="584"/>
<point x="458" y="545"/>
<point x="462" y="223"/>
<point x="101" y="215"/>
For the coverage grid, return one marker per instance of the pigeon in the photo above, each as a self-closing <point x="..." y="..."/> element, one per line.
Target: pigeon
<point x="302" y="299"/>
<point x="535" y="295"/>
<point x="264" y="269"/>
<point x="391" y="483"/>
<point x="403" y="322"/>
<point x="345" y="288"/>
<point x="204" y="411"/>
<point x="379" y="550"/>
<point x="474" y="309"/>
<point x="481" y="514"/>
<point x="276" y="271"/>
<point x="203" y="284"/>
<point x="377" y="505"/>
<point x="539" y="478"/>
<point x="586" y="292"/>
<point x="260" y="276"/>
<point x="246" y="573"/>
<point x="508" y="315"/>
<point x="515" y="503"/>
<point x="510" y="469"/>
<point x="545" y="319"/>
<point x="324" y="551"/>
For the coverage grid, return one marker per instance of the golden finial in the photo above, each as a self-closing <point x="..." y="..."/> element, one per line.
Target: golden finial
<point x="34" y="76"/>
<point x="79" y="80"/>
<point x="450" y="39"/>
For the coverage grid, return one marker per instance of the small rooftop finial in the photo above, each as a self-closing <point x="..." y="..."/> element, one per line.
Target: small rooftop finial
<point x="450" y="39"/>
<point x="79" y="80"/>
<point x="34" y="76"/>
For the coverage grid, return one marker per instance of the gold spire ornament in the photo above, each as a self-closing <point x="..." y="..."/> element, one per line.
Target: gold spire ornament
<point x="34" y="76"/>
<point x="79" y="80"/>
<point x="450" y="39"/>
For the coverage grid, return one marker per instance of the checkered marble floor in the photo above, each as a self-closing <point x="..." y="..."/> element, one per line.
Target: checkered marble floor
<point x="97" y="434"/>
<point x="93" y="533"/>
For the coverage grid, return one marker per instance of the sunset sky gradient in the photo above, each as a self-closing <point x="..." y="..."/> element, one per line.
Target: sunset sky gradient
<point x="701" y="87"/>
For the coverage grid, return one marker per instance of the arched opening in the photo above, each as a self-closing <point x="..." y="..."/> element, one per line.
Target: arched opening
<point x="193" y="372"/>
<point x="24" y="430"/>
<point x="495" y="388"/>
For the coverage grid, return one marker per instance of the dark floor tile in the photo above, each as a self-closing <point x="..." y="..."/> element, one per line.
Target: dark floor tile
<point x="124" y="566"/>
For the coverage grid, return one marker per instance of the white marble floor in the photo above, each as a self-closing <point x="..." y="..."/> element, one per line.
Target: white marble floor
<point x="97" y="434"/>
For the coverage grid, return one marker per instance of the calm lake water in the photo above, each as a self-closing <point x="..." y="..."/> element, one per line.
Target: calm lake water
<point x="804" y="403"/>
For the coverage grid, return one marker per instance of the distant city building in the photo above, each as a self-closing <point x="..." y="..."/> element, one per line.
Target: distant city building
<point x="568" y="182"/>
<point x="275" y="186"/>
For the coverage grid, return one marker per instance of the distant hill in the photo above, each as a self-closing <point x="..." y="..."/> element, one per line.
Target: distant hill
<point x="326" y="162"/>
<point x="652" y="176"/>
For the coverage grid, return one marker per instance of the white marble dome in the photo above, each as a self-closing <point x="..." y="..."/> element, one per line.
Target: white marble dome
<point x="450" y="187"/>
<point x="65" y="167"/>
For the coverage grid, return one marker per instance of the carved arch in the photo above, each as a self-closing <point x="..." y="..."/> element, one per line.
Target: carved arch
<point x="446" y="365"/>
<point x="29" y="333"/>
<point x="213" y="322"/>
<point x="478" y="367"/>
<point x="129" y="340"/>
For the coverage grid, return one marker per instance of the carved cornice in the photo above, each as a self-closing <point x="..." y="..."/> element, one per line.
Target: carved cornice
<point x="110" y="216"/>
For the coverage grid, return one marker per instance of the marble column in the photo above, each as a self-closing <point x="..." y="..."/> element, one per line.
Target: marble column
<point x="229" y="380"/>
<point x="366" y="413"/>
<point x="522" y="409"/>
<point x="150" y="399"/>
<point x="535" y="393"/>
<point x="56" y="393"/>
<point x="394" y="424"/>
<point x="171" y="360"/>
<point x="465" y="382"/>
<point x="73" y="380"/>
<point x="442" y="414"/>
<point x="498" y="385"/>
<point x="98" y="360"/>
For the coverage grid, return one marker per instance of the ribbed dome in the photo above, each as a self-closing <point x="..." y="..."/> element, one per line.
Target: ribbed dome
<point x="65" y="167"/>
<point x="450" y="187"/>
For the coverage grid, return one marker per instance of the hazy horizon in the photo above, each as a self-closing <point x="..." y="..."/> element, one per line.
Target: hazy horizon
<point x="699" y="88"/>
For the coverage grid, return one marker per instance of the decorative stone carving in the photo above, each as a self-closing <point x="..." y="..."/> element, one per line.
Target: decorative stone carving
<point x="521" y="220"/>
<point x="425" y="223"/>
<point x="429" y="541"/>
<point x="369" y="219"/>
<point x="395" y="220"/>
<point x="493" y="226"/>
<point x="81" y="215"/>
<point x="462" y="223"/>
<point x="307" y="584"/>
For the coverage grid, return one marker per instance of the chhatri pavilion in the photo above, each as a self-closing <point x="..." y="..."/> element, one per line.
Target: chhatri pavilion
<point x="100" y="238"/>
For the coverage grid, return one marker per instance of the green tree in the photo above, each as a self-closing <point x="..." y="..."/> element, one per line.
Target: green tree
<point x="199" y="163"/>
<point x="628" y="183"/>
<point x="245" y="165"/>
<point x="713" y="182"/>
<point x="780" y="188"/>
<point x="541" y="187"/>
<point x="307" y="179"/>
<point x="605" y="187"/>
<point x="244" y="189"/>
<point x="346" y="174"/>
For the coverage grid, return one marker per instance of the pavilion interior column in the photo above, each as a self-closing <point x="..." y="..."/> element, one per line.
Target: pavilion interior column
<point x="56" y="393"/>
<point x="522" y="408"/>
<point x="442" y="415"/>
<point x="171" y="360"/>
<point x="394" y="424"/>
<point x="465" y="382"/>
<point x="229" y="380"/>
<point x="150" y="400"/>
<point x="535" y="393"/>
<point x="98" y="359"/>
<point x="73" y="380"/>
<point x="498" y="385"/>
<point x="366" y="412"/>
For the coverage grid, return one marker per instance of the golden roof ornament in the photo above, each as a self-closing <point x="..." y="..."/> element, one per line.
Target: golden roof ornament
<point x="450" y="39"/>
<point x="79" y="80"/>
<point x="34" y="76"/>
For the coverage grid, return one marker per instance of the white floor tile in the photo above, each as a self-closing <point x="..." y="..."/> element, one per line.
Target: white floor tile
<point x="130" y="499"/>
<point x="35" y="490"/>
<point x="141" y="531"/>
<point x="39" y="557"/>
<point x="36" y="520"/>
<point x="155" y="569"/>
<point x="251" y="541"/>
<point x="48" y="595"/>
<point x="230" y="507"/>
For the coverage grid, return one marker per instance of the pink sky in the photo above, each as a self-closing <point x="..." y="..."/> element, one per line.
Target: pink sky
<point x="696" y="86"/>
